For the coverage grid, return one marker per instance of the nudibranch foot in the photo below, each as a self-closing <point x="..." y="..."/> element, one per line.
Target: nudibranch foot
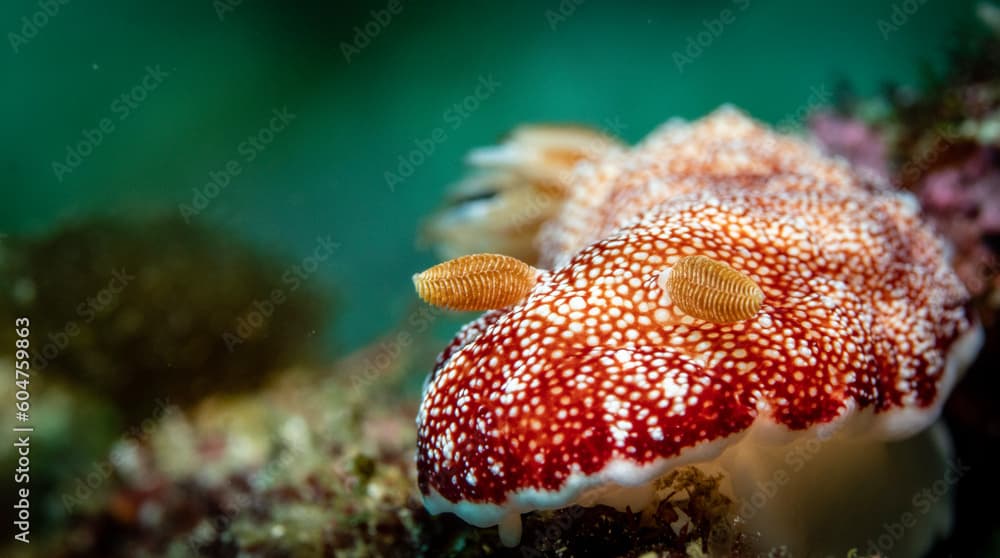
<point x="825" y="493"/>
<point x="510" y="529"/>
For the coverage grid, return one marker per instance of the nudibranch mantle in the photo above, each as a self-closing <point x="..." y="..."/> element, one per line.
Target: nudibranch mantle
<point x="595" y="382"/>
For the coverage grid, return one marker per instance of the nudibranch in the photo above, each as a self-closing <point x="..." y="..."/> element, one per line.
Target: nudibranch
<point x="710" y="297"/>
<point x="514" y="189"/>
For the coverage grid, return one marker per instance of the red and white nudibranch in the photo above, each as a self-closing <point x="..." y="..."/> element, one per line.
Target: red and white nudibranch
<point x="595" y="382"/>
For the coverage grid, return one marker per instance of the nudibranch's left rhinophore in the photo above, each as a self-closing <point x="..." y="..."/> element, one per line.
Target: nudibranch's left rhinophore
<point x="476" y="282"/>
<point x="835" y="320"/>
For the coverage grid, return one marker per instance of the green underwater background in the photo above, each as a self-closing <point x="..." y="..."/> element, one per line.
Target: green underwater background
<point x="213" y="211"/>
<point x="220" y="76"/>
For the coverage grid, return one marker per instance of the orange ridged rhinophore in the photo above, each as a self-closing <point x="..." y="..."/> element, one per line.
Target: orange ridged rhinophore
<point x="711" y="290"/>
<point x="476" y="282"/>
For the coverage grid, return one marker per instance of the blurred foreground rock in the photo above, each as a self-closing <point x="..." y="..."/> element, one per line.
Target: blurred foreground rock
<point x="131" y="318"/>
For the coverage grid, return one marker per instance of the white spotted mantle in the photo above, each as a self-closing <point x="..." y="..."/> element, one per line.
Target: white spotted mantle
<point x="597" y="378"/>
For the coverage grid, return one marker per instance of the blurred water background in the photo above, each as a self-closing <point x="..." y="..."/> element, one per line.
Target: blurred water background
<point x="322" y="135"/>
<point x="180" y="89"/>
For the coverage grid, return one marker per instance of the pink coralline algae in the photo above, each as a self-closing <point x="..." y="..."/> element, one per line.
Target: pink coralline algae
<point x="963" y="201"/>
<point x="852" y="139"/>
<point x="971" y="188"/>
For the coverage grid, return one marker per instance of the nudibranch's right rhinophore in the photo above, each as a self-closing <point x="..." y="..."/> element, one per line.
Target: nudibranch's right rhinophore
<point x="811" y="305"/>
